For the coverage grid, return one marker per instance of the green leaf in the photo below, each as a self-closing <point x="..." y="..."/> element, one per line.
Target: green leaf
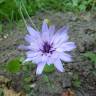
<point x="82" y="7"/>
<point x="1" y="92"/>
<point x="75" y="76"/>
<point x="45" y="78"/>
<point x="1" y="1"/>
<point x="0" y="28"/>
<point x="14" y="66"/>
<point x="75" y="2"/>
<point x="91" y="56"/>
<point x="49" y="68"/>
<point x="77" y="83"/>
<point x="27" y="79"/>
<point x="76" y="80"/>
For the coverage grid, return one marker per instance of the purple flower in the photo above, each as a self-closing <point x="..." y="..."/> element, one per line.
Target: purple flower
<point x="48" y="47"/>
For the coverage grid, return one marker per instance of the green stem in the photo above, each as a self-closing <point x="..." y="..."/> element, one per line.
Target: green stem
<point x="28" y="14"/>
<point x="22" y="16"/>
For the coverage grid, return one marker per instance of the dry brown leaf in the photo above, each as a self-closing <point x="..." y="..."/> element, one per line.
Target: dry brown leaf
<point x="4" y="79"/>
<point x="68" y="92"/>
<point x="6" y="91"/>
<point x="11" y="92"/>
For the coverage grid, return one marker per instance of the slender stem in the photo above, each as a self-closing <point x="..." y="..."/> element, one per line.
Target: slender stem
<point x="21" y="13"/>
<point x="22" y="16"/>
<point x="28" y="14"/>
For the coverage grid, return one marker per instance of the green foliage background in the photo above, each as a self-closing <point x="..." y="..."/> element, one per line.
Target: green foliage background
<point x="9" y="8"/>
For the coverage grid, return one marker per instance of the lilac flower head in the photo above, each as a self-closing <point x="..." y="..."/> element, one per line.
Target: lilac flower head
<point x="48" y="47"/>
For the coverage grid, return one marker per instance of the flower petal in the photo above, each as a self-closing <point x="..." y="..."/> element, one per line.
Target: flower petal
<point x="31" y="54"/>
<point x="50" y="61"/>
<point x="65" y="57"/>
<point x="61" y="36"/>
<point x="37" y="59"/>
<point x="44" y="27"/>
<point x="59" y="65"/>
<point x="31" y="39"/>
<point x="32" y="32"/>
<point x="59" y="40"/>
<point x="44" y="58"/>
<point x="40" y="68"/>
<point x="28" y="38"/>
<point x="45" y="31"/>
<point x="68" y="46"/>
<point x="28" y="59"/>
<point x="63" y="30"/>
<point x="51" y="30"/>
<point x="33" y="47"/>
<point x="23" y="47"/>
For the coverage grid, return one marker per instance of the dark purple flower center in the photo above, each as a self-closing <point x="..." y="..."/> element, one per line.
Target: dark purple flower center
<point x="47" y="48"/>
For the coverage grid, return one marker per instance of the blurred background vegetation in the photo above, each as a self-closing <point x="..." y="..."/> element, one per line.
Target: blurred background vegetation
<point x="9" y="9"/>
